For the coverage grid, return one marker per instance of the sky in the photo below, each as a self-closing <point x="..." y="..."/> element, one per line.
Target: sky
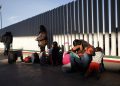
<point x="14" y="11"/>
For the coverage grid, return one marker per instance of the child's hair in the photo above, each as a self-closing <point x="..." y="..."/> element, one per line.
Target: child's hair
<point x="98" y="49"/>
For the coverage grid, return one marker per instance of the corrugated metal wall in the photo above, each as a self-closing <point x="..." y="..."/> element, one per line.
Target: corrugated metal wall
<point x="96" y="21"/>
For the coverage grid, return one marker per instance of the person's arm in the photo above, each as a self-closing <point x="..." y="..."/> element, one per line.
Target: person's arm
<point x="76" y="47"/>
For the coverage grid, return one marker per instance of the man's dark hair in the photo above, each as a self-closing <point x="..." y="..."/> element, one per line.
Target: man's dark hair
<point x="55" y="44"/>
<point x="42" y="29"/>
<point x="8" y="33"/>
<point x="77" y="42"/>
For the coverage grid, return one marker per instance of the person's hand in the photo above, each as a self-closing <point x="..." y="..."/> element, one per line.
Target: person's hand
<point x="76" y="47"/>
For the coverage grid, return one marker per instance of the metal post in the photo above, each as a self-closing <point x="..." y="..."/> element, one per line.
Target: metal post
<point x="1" y="16"/>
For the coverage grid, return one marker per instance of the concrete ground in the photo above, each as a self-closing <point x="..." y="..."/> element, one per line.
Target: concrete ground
<point x="27" y="74"/>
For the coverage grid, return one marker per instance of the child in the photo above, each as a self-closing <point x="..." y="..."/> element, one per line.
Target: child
<point x="95" y="63"/>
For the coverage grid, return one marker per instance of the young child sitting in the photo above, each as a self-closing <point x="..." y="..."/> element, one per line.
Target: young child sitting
<point x="95" y="64"/>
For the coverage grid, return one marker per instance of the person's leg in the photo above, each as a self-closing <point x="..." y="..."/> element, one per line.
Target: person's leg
<point x="102" y="68"/>
<point x="50" y="59"/>
<point x="54" y="60"/>
<point x="97" y="70"/>
<point x="89" y="70"/>
<point x="85" y="59"/>
<point x="42" y="58"/>
<point x="75" y="61"/>
<point x="21" y="58"/>
<point x="7" y="48"/>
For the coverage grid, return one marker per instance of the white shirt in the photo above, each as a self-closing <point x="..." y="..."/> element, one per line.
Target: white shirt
<point x="98" y="57"/>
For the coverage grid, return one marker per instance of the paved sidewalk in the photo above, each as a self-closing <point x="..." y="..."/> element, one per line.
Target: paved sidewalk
<point x="27" y="74"/>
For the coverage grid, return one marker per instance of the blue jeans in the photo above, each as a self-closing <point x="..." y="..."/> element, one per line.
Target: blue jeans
<point x="85" y="60"/>
<point x="75" y="61"/>
<point x="82" y="62"/>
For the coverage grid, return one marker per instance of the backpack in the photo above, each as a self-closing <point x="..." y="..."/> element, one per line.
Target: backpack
<point x="27" y="59"/>
<point x="66" y="58"/>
